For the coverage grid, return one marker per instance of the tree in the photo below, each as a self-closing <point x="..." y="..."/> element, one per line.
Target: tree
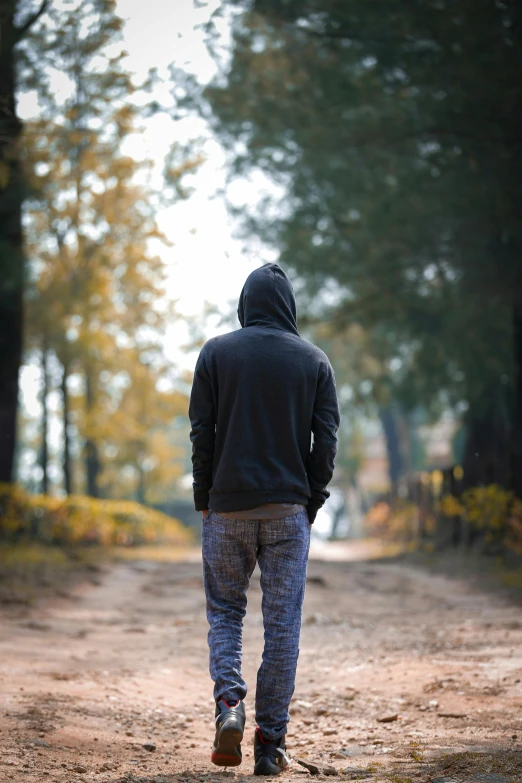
<point x="140" y="459"/>
<point x="96" y="289"/>
<point x="365" y="387"/>
<point x="395" y="131"/>
<point x="12" y="32"/>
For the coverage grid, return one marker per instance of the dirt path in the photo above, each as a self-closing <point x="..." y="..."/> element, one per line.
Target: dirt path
<point x="88" y="679"/>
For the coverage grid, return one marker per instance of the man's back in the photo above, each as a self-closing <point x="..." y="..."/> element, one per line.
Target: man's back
<point x="258" y="395"/>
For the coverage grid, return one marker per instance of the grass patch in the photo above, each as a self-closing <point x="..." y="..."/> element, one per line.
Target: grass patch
<point x="29" y="571"/>
<point x="156" y="553"/>
<point x="416" y="752"/>
<point x="506" y="762"/>
<point x="485" y="573"/>
<point x="512" y="579"/>
<point x="32" y="570"/>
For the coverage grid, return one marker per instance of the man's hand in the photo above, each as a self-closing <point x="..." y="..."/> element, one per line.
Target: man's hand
<point x="204" y="513"/>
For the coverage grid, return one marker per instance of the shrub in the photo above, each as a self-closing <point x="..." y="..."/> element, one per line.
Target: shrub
<point x="514" y="536"/>
<point x="83" y="520"/>
<point x="395" y="523"/>
<point x="494" y="511"/>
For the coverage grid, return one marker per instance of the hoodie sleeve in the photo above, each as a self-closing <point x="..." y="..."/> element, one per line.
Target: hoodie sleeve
<point x="325" y="422"/>
<point x="202" y="416"/>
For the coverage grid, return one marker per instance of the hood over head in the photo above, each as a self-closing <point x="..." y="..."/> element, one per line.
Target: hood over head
<point x="267" y="299"/>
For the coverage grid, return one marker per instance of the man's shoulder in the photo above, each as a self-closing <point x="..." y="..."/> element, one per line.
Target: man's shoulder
<point x="230" y="341"/>
<point x="221" y="341"/>
<point x="315" y="351"/>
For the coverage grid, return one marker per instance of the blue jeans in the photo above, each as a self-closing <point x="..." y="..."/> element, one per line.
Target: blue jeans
<point x="231" y="548"/>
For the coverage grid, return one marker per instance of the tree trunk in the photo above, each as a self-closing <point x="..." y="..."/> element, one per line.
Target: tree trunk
<point x="11" y="237"/>
<point x="487" y="455"/>
<point x="516" y="446"/>
<point x="92" y="466"/>
<point x="487" y="451"/>
<point x="67" y="474"/>
<point x="92" y="461"/>
<point x="44" y="451"/>
<point x="140" y="489"/>
<point x="11" y="244"/>
<point x="391" y="434"/>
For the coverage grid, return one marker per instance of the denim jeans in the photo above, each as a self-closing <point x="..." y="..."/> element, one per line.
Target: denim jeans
<point x="230" y="551"/>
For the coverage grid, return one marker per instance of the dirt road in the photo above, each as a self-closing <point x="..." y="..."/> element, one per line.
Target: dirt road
<point x="403" y="676"/>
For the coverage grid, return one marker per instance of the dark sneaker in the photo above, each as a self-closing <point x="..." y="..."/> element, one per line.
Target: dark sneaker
<point x="230" y="726"/>
<point x="270" y="757"/>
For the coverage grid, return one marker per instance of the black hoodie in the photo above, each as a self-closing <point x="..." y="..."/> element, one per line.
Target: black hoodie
<point x="258" y="395"/>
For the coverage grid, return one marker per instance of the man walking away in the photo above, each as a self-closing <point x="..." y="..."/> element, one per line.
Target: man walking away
<point x="259" y="395"/>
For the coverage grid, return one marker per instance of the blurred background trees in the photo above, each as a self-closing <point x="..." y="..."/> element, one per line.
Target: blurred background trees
<point x="14" y="27"/>
<point x="95" y="305"/>
<point x="373" y="151"/>
<point x="395" y="131"/>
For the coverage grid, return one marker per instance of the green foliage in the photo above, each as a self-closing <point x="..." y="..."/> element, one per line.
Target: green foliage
<point x="493" y="511"/>
<point x="80" y="520"/>
<point x="392" y="128"/>
<point x="505" y="761"/>
<point x="416" y="752"/>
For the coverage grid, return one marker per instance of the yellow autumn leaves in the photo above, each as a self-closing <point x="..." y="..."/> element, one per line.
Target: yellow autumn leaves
<point x="491" y="509"/>
<point x="80" y="520"/>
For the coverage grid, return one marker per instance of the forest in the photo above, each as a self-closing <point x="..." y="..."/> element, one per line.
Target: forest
<point x="151" y="157"/>
<point x="390" y="137"/>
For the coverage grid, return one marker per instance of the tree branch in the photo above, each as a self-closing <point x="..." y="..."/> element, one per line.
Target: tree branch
<point x="22" y="29"/>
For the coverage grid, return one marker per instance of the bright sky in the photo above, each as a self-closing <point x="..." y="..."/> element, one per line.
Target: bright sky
<point x="206" y="262"/>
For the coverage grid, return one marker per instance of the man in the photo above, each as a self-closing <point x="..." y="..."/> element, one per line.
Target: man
<point x="259" y="394"/>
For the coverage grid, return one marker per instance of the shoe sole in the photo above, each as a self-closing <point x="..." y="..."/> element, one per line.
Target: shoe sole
<point x="226" y="754"/>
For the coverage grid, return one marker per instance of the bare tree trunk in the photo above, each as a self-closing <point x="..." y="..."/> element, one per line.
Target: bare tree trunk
<point x="11" y="244"/>
<point x="67" y="474"/>
<point x="516" y="447"/>
<point x="92" y="461"/>
<point x="11" y="237"/>
<point x="140" y="490"/>
<point x="44" y="450"/>
<point x="395" y="461"/>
